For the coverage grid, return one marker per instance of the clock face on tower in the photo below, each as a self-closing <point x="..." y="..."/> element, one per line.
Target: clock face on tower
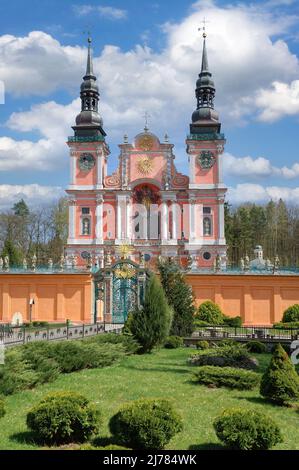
<point x="86" y="162"/>
<point x="206" y="159"/>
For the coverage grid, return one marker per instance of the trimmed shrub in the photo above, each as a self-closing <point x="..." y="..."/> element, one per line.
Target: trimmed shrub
<point x="17" y="373"/>
<point x="2" y="408"/>
<point x="126" y="340"/>
<point x="247" y="430"/>
<point x="200" y="323"/>
<point x="202" y="345"/>
<point x="37" y="354"/>
<point x="256" y="347"/>
<point x="235" y="322"/>
<point x="227" y="377"/>
<point x="225" y="356"/>
<point x="145" y="424"/>
<point x="210" y="312"/>
<point x="291" y="314"/>
<point x="280" y="382"/>
<point x="150" y="325"/>
<point x="63" y="417"/>
<point x="294" y="324"/>
<point x="174" y="342"/>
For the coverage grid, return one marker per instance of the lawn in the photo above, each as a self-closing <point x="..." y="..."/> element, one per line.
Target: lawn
<point x="161" y="374"/>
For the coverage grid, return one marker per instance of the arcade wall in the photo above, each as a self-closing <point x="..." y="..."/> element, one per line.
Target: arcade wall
<point x="258" y="299"/>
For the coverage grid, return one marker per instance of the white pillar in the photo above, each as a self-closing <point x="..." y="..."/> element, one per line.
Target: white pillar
<point x="175" y="215"/>
<point x="192" y="169"/>
<point x="72" y="219"/>
<point x="99" y="221"/>
<point x="192" y="208"/>
<point x="73" y="162"/>
<point x="100" y="169"/>
<point x="220" y="149"/>
<point x="164" y="221"/>
<point x="129" y="219"/>
<point x="221" y="222"/>
<point x="119" y="219"/>
<point x="200" y="208"/>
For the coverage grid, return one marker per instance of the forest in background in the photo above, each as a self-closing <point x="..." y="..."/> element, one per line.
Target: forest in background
<point x="25" y="232"/>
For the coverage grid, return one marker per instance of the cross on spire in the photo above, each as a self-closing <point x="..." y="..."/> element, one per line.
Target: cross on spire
<point x="204" y="22"/>
<point x="146" y="116"/>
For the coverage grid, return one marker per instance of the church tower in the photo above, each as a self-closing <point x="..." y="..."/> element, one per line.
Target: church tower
<point x="88" y="168"/>
<point x="205" y="146"/>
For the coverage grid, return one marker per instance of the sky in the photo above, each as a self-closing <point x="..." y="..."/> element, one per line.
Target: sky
<point x="147" y="57"/>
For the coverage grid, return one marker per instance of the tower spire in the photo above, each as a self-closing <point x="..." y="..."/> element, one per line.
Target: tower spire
<point x="205" y="89"/>
<point x="89" y="123"/>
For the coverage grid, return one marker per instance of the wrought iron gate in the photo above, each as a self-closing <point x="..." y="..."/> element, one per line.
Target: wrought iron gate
<point x="125" y="296"/>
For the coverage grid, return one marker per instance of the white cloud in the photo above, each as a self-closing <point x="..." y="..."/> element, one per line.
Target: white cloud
<point x="248" y="167"/>
<point x="243" y="57"/>
<point x="33" y="194"/>
<point x="256" y="193"/>
<point x="108" y="12"/>
<point x="278" y="101"/>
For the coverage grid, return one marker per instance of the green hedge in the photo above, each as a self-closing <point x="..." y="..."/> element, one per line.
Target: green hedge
<point x="63" y="417"/>
<point x="2" y="408"/>
<point x="282" y="325"/>
<point x="227" y="377"/>
<point x="291" y="314"/>
<point x="243" y="429"/>
<point x="174" y="342"/>
<point x="145" y="424"/>
<point x="256" y="347"/>
<point x="225" y="356"/>
<point x="210" y="312"/>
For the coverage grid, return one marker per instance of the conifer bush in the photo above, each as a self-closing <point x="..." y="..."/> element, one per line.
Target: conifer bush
<point x="145" y="424"/>
<point x="174" y="342"/>
<point x="242" y="429"/>
<point x="291" y="314"/>
<point x="225" y="356"/>
<point x="180" y="297"/>
<point x="201" y="345"/>
<point x="280" y="382"/>
<point x="256" y="347"/>
<point x="150" y="325"/>
<point x="229" y="377"/>
<point x="63" y="417"/>
<point x="2" y="408"/>
<point x="210" y="312"/>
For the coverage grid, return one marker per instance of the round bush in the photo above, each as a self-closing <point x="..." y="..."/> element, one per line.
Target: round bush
<point x="256" y="347"/>
<point x="145" y="424"/>
<point x="227" y="377"/>
<point x="291" y="314"/>
<point x="174" y="342"/>
<point x="63" y="417"/>
<point x="247" y="430"/>
<point x="2" y="409"/>
<point x="201" y="345"/>
<point x="210" y="312"/>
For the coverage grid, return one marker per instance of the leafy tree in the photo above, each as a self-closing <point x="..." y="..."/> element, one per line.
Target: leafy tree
<point x="21" y="209"/>
<point x="180" y="298"/>
<point x="10" y="250"/>
<point x="150" y="325"/>
<point x="280" y="382"/>
<point x="210" y="312"/>
<point x="291" y="314"/>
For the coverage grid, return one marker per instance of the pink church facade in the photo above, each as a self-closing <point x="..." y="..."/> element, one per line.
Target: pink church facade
<point x="147" y="204"/>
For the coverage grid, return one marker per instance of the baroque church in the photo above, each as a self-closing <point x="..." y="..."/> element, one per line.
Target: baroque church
<point x="147" y="205"/>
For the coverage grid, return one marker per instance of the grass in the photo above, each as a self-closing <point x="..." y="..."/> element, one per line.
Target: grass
<point x="161" y="374"/>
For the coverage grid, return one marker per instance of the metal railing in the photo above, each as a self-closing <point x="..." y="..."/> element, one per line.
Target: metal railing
<point x="12" y="336"/>
<point x="261" y="333"/>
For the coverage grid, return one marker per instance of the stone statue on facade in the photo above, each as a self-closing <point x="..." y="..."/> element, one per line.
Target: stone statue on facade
<point x="50" y="263"/>
<point x="6" y="263"/>
<point x="218" y="263"/>
<point x="25" y="264"/>
<point x="73" y="261"/>
<point x="276" y="264"/>
<point x="1" y="263"/>
<point x="242" y="264"/>
<point x="61" y="263"/>
<point x="34" y="262"/>
<point x="141" y="260"/>
<point x="108" y="260"/>
<point x="246" y="263"/>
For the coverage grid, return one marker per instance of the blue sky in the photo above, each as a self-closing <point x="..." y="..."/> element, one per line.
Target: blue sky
<point x="147" y="57"/>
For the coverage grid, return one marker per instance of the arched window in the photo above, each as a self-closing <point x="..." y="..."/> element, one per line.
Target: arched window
<point x="86" y="226"/>
<point x="207" y="227"/>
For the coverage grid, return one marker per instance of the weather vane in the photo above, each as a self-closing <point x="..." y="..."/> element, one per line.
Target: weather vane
<point x="204" y="22"/>
<point x="146" y="117"/>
